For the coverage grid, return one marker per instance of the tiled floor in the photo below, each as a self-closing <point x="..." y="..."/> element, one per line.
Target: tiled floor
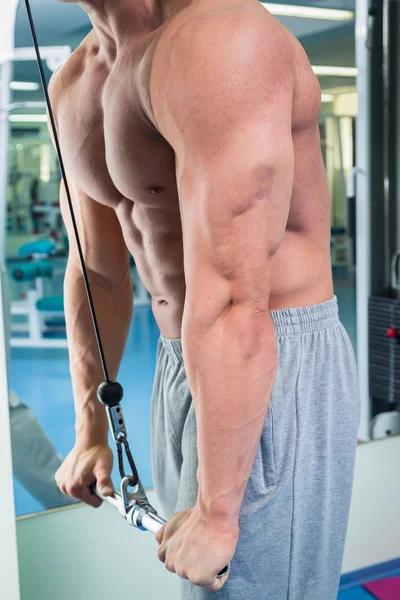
<point x="357" y="593"/>
<point x="386" y="570"/>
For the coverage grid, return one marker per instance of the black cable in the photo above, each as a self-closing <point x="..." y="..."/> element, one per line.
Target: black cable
<point x="67" y="190"/>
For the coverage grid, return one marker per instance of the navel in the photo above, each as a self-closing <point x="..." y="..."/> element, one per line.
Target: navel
<point x="155" y="189"/>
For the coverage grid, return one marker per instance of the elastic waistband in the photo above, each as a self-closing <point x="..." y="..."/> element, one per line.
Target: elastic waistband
<point x="287" y="322"/>
<point x="306" y="319"/>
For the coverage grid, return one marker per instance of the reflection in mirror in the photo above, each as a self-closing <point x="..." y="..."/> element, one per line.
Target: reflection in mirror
<point x="34" y="270"/>
<point x="41" y="399"/>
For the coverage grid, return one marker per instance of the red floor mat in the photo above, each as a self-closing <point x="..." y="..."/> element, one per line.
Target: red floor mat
<point x="384" y="589"/>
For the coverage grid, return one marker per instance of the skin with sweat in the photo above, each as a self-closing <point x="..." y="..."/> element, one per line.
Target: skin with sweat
<point x="189" y="131"/>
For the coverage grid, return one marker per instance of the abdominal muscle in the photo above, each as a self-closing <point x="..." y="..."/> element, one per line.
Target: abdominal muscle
<point x="301" y="276"/>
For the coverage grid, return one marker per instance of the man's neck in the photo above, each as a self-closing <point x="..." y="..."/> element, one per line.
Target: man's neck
<point x="114" y="20"/>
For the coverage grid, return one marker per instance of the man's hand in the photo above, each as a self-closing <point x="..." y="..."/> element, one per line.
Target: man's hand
<point x="84" y="466"/>
<point x="196" y="548"/>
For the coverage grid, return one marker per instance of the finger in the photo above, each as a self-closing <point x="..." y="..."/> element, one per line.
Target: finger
<point x="84" y="494"/>
<point x="103" y="482"/>
<point x="181" y="573"/>
<point x="160" y="534"/>
<point x="169" y="528"/>
<point x="59" y="480"/>
<point x="196" y="578"/>
<point x="62" y="487"/>
<point x="161" y="553"/>
<point x="169" y="565"/>
<point x="218" y="583"/>
<point x="90" y="498"/>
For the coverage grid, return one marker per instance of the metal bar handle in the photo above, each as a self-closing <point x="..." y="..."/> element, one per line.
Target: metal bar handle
<point x="142" y="519"/>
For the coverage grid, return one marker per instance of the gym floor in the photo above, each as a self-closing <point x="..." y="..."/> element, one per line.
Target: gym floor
<point x="357" y="593"/>
<point x="42" y="380"/>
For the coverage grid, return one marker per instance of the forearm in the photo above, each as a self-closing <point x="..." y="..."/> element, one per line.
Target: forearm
<point x="114" y="305"/>
<point x="231" y="365"/>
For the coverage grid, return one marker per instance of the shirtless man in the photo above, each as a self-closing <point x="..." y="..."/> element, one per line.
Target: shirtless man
<point x="189" y="131"/>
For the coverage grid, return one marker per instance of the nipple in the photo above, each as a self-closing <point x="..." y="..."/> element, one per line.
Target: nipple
<point x="155" y="189"/>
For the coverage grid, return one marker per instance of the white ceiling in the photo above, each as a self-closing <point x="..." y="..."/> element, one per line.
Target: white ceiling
<point x="326" y="42"/>
<point x="56" y="21"/>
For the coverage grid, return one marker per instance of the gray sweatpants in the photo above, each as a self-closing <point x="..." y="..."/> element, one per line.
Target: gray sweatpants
<point x="294" y="515"/>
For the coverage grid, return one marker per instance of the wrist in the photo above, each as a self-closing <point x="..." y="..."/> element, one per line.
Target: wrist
<point x="91" y="427"/>
<point x="221" y="513"/>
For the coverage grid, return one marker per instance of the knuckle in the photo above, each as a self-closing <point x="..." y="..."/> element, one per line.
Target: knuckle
<point x="73" y="488"/>
<point x="195" y="578"/>
<point x="181" y="573"/>
<point x="103" y="481"/>
<point x="169" y="564"/>
<point x="81" y="482"/>
<point x="161" y="552"/>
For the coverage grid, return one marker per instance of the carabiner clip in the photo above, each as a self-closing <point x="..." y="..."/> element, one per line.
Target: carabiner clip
<point x="110" y="394"/>
<point x="122" y="443"/>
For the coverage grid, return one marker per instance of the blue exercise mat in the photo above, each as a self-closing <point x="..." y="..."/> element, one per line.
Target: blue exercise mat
<point x="39" y="247"/>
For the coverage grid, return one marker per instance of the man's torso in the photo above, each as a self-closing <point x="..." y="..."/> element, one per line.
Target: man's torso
<point x="114" y="154"/>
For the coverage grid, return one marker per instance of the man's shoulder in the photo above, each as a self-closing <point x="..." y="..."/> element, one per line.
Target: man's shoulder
<point x="73" y="67"/>
<point x="241" y="28"/>
<point x="218" y="68"/>
<point x="223" y="42"/>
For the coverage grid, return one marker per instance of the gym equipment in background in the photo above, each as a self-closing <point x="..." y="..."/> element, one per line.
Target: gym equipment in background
<point x="141" y="295"/>
<point x="384" y="358"/>
<point x="341" y="251"/>
<point x="384" y="350"/>
<point x="385" y="424"/>
<point x="44" y="325"/>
